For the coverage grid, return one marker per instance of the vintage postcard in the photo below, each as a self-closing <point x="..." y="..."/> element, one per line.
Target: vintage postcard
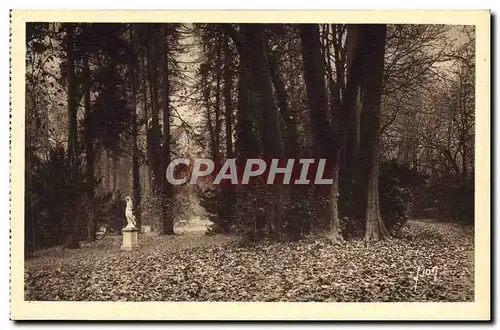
<point x="250" y="165"/>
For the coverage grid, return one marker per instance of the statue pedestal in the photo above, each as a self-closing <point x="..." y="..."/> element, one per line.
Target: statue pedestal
<point x="130" y="239"/>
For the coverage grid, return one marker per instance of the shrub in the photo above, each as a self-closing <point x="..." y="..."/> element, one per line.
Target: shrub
<point x="249" y="218"/>
<point x="394" y="206"/>
<point x="255" y="206"/>
<point x="52" y="190"/>
<point x="397" y="183"/>
<point x="58" y="205"/>
<point x="151" y="209"/>
<point x="352" y="227"/>
<point x="302" y="212"/>
<point x="217" y="205"/>
<point x="455" y="198"/>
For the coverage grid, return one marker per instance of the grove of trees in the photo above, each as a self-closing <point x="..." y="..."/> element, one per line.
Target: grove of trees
<point x="109" y="105"/>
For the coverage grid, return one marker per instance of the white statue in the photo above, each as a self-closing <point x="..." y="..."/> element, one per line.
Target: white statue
<point x="128" y="213"/>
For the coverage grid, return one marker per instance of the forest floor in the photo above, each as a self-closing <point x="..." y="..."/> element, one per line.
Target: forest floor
<point x="192" y="266"/>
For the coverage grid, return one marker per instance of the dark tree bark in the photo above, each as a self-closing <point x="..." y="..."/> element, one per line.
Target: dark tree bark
<point x="329" y="139"/>
<point x="228" y="101"/>
<point x="340" y="60"/>
<point x="168" y="221"/>
<point x="89" y="146"/>
<point x="228" y="189"/>
<point x="258" y="98"/>
<point x="72" y="95"/>
<point x="266" y="114"/>
<point x="72" y="240"/>
<point x="145" y="70"/>
<point x="351" y="153"/>
<point x="291" y="140"/>
<point x="373" y="60"/>
<point x="328" y="56"/>
<point x="108" y="171"/>
<point x="154" y="131"/>
<point x="206" y="88"/>
<point x="217" y="129"/>
<point x="247" y="143"/>
<point x="314" y="73"/>
<point x="136" y="184"/>
<point x="262" y="91"/>
<point x="114" y="162"/>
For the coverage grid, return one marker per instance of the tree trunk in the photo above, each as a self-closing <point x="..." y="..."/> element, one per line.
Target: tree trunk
<point x="211" y="130"/>
<point x="262" y="92"/>
<point x="228" y="101"/>
<point x="314" y="73"/>
<point x="71" y="230"/>
<point x="329" y="140"/>
<point x="154" y="130"/>
<point x="373" y="61"/>
<point x="108" y="171"/>
<point x="465" y="172"/>
<point x="115" y="173"/>
<point x="335" y="233"/>
<point x="136" y="184"/>
<point x="30" y="227"/>
<point x="291" y="140"/>
<point x="353" y="137"/>
<point x="247" y="144"/>
<point x="291" y="144"/>
<point x="228" y="189"/>
<point x="168" y="221"/>
<point x="145" y="70"/>
<point x="262" y="100"/>
<point x="217" y="107"/>
<point x="72" y="91"/>
<point x="89" y="148"/>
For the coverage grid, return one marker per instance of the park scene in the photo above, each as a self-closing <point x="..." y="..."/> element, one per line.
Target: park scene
<point x="249" y="162"/>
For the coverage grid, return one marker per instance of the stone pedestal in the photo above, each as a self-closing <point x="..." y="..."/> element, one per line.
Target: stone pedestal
<point x="130" y="239"/>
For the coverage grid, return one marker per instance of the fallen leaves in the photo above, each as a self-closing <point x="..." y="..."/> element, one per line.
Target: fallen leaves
<point x="192" y="267"/>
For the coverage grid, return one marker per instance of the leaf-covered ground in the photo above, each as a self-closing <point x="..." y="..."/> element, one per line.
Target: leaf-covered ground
<point x="195" y="267"/>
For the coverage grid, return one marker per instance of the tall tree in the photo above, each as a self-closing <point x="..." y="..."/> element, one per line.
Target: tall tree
<point x="373" y="63"/>
<point x="251" y="45"/>
<point x="266" y="113"/>
<point x="262" y="91"/>
<point x="329" y="139"/>
<point x="136" y="185"/>
<point x="149" y="157"/>
<point x="217" y="108"/>
<point x="168" y="221"/>
<point x="154" y="131"/>
<point x="228" y="189"/>
<point x="291" y="134"/>
<point x="89" y="145"/>
<point x="72" y="239"/>
<point x="314" y="73"/>
<point x="247" y="143"/>
<point x="228" y="100"/>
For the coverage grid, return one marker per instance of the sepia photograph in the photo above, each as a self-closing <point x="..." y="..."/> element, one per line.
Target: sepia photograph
<point x="250" y="159"/>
